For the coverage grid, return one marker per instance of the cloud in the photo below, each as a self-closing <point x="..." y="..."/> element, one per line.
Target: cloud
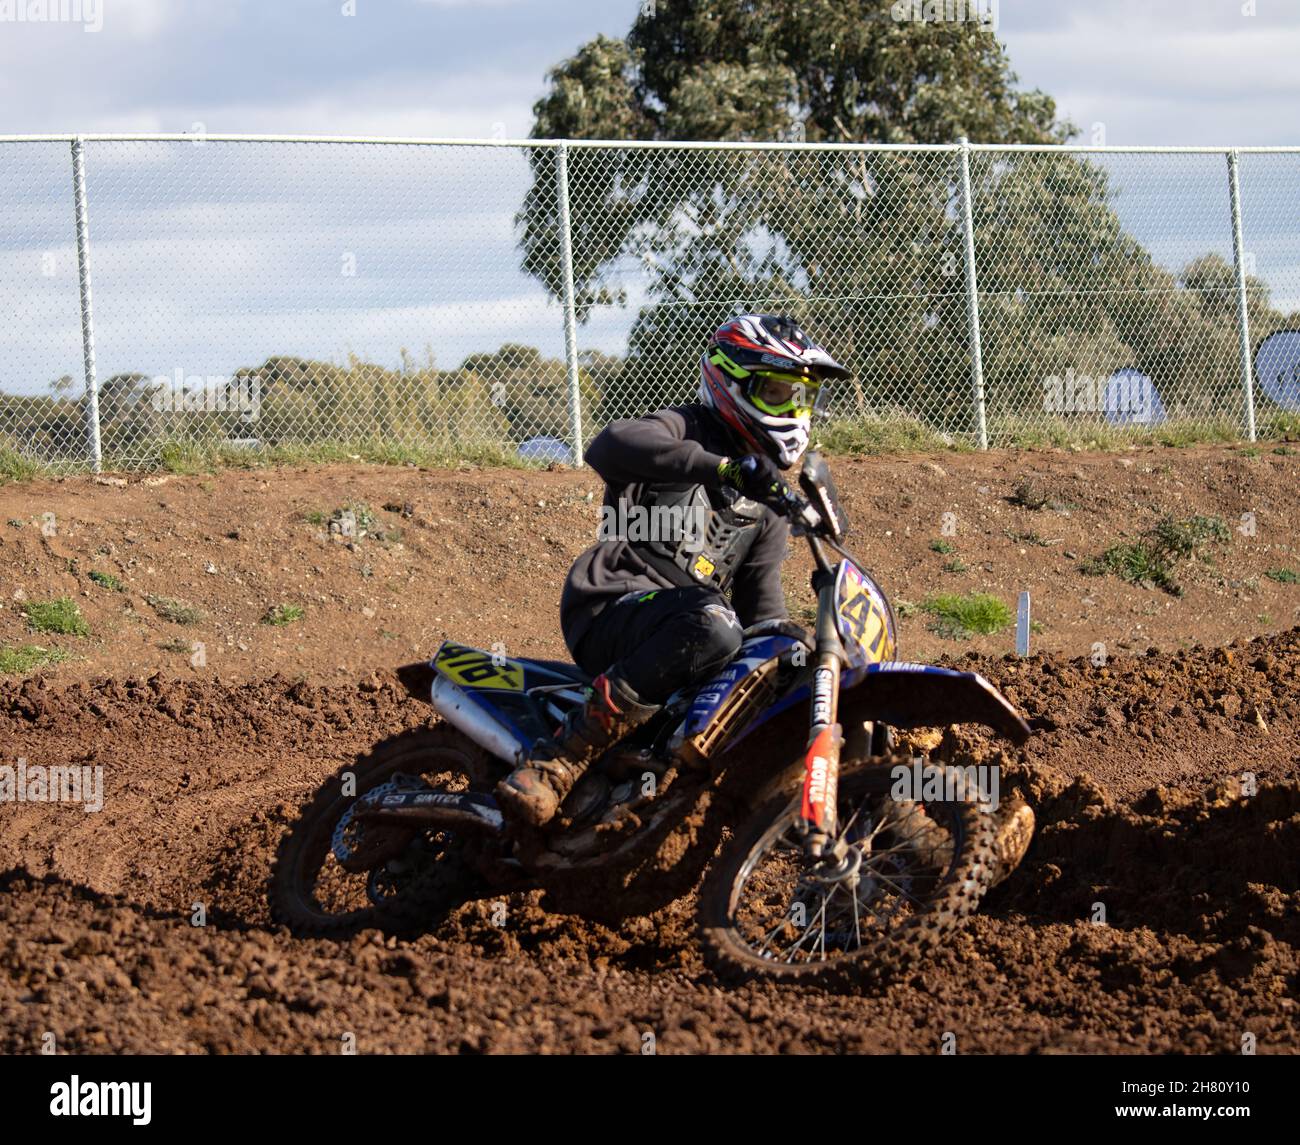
<point x="295" y="66"/>
<point x="1190" y="72"/>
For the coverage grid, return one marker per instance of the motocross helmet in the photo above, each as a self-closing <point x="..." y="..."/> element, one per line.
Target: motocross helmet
<point x="764" y="376"/>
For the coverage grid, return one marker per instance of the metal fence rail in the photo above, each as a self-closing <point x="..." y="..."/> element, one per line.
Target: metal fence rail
<point x="492" y="297"/>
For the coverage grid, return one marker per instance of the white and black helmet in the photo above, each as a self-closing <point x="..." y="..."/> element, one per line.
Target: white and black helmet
<point x="763" y="375"/>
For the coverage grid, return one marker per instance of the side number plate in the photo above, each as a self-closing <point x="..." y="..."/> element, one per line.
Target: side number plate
<point x="475" y="669"/>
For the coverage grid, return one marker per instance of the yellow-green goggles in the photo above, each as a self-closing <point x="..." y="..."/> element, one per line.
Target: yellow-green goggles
<point x="783" y="393"/>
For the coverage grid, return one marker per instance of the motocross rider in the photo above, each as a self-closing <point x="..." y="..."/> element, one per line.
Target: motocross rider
<point x="647" y="617"/>
<point x="646" y="614"/>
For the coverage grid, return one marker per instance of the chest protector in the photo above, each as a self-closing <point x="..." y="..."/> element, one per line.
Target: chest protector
<point x="691" y="535"/>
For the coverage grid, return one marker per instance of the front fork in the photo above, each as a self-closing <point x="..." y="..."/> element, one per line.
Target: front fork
<point x="817" y="813"/>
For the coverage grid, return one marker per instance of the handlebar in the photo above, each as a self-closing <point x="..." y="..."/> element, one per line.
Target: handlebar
<point x="798" y="511"/>
<point x="806" y="522"/>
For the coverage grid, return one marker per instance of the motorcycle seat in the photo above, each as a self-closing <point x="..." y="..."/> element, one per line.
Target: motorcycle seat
<point x="563" y="668"/>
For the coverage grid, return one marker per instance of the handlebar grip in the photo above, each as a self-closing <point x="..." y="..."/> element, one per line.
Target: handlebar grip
<point x="800" y="511"/>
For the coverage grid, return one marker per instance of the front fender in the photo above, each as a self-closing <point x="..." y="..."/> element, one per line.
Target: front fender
<point x="907" y="695"/>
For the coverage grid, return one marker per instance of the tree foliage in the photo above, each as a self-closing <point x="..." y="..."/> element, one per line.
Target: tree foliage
<point x="864" y="246"/>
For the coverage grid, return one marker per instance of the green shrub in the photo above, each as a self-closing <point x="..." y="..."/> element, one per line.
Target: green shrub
<point x="1149" y="561"/>
<point x="957" y="617"/>
<point x="281" y="614"/>
<point x="18" y="661"/>
<point x="61" y="616"/>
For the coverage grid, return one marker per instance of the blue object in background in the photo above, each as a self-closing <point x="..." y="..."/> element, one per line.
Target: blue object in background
<point x="546" y="449"/>
<point x="1277" y="368"/>
<point x="1131" y="398"/>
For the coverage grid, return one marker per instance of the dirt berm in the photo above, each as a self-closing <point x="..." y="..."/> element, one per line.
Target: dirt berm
<point x="1165" y="779"/>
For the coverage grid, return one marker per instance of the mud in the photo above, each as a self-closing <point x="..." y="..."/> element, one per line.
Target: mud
<point x="1157" y="910"/>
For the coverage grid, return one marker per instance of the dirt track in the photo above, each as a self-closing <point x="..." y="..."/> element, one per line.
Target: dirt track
<point x="480" y="556"/>
<point x="1135" y="772"/>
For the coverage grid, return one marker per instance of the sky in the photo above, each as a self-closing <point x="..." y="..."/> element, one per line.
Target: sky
<point x="1150" y="71"/>
<point x="206" y="259"/>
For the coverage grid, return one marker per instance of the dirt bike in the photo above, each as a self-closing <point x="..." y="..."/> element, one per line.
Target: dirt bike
<point x="829" y="869"/>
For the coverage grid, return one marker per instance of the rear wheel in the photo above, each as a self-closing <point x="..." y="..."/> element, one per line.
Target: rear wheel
<point x="910" y="872"/>
<point x="334" y="875"/>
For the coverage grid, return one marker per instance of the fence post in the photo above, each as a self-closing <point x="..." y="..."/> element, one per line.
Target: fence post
<point x="1243" y="314"/>
<point x="570" y="309"/>
<point x="972" y="298"/>
<point x="87" y="322"/>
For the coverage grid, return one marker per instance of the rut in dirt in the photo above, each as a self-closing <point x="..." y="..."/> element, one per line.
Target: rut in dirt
<point x="1166" y="789"/>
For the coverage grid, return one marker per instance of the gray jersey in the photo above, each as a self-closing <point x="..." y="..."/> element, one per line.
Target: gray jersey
<point x="677" y="447"/>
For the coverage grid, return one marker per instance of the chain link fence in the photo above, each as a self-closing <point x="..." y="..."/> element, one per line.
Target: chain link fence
<point x="496" y="300"/>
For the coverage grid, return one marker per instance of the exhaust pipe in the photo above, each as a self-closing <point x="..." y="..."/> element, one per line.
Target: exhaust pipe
<point x="467" y="717"/>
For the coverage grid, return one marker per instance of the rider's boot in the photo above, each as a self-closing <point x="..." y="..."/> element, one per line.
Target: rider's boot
<point x="533" y="793"/>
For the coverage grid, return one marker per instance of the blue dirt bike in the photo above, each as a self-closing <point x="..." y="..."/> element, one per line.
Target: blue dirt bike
<point x="781" y="776"/>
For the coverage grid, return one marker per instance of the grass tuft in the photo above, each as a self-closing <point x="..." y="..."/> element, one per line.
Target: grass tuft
<point x="106" y="580"/>
<point x="281" y="614"/>
<point x="175" y="611"/>
<point x="61" y="616"/>
<point x="956" y="617"/>
<point x="190" y="458"/>
<point x="868" y="435"/>
<point x="14" y="466"/>
<point x="1038" y="433"/>
<point x="21" y="659"/>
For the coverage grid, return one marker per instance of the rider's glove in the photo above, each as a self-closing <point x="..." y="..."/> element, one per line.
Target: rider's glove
<point x="757" y="477"/>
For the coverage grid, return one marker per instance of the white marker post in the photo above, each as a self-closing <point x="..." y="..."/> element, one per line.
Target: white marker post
<point x="1022" y="625"/>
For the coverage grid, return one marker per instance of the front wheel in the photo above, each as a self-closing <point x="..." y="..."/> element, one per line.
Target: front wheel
<point x="910" y="872"/>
